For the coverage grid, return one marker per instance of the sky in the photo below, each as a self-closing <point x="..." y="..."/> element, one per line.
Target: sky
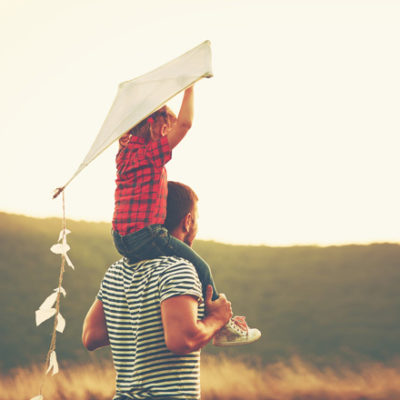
<point x="295" y="139"/>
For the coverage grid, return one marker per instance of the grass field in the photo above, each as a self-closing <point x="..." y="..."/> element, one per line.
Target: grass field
<point x="222" y="379"/>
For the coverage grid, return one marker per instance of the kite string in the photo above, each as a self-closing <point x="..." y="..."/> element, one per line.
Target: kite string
<point x="52" y="346"/>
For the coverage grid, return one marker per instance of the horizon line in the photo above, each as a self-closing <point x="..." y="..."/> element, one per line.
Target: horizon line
<point x="232" y="243"/>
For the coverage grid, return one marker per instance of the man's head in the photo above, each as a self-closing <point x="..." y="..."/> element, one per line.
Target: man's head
<point x="182" y="214"/>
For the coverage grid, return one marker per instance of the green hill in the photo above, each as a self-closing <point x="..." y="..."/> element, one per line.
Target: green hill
<point x="323" y="303"/>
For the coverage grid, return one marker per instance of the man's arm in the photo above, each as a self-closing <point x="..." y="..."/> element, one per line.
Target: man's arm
<point x="184" y="121"/>
<point x="94" y="332"/>
<point x="183" y="332"/>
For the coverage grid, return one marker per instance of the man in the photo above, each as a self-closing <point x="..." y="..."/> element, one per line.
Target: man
<point x="152" y="315"/>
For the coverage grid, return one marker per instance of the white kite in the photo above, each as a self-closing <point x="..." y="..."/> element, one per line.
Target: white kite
<point x="138" y="98"/>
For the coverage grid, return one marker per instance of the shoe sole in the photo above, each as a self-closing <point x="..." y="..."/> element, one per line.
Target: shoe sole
<point x="229" y="344"/>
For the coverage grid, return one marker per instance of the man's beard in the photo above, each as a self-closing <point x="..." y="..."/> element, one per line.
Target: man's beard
<point x="189" y="238"/>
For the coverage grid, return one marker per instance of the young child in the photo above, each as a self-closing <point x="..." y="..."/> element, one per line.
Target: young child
<point x="141" y="202"/>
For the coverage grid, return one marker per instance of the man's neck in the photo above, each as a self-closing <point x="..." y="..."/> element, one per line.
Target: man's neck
<point x="179" y="234"/>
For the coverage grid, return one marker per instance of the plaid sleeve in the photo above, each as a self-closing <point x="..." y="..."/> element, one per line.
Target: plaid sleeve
<point x="159" y="152"/>
<point x="180" y="279"/>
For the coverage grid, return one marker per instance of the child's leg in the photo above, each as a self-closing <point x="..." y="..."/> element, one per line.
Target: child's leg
<point x="236" y="331"/>
<point x="181" y="249"/>
<point x="141" y="245"/>
<point x="155" y="241"/>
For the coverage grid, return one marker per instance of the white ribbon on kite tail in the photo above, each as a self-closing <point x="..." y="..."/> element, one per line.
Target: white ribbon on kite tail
<point x="51" y="305"/>
<point x="138" y="98"/>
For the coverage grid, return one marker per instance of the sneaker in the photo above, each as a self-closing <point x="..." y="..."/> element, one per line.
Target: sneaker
<point x="236" y="332"/>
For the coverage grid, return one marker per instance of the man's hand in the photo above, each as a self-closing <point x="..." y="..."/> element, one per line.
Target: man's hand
<point x="219" y="309"/>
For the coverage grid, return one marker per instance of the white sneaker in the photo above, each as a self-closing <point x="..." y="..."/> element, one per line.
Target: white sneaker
<point x="236" y="332"/>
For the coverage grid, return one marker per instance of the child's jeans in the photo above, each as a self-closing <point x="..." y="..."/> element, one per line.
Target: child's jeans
<point x="154" y="241"/>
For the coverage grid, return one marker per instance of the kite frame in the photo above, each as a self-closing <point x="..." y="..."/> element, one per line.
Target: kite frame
<point x="85" y="164"/>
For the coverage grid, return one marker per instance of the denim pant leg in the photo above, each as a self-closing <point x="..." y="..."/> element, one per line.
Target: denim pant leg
<point x="181" y="249"/>
<point x="155" y="241"/>
<point x="142" y="245"/>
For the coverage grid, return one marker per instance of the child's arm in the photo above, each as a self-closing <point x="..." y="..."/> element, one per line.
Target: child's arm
<point x="184" y="121"/>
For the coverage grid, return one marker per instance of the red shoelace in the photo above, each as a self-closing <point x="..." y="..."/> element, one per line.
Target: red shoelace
<point x="241" y="322"/>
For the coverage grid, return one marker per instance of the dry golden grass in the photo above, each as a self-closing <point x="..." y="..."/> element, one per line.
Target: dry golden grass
<point x="83" y="382"/>
<point x="297" y="380"/>
<point x="222" y="379"/>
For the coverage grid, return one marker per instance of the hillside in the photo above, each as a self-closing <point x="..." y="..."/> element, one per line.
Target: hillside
<point x="326" y="304"/>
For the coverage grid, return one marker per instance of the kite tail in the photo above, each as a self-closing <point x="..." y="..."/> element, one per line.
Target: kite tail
<point x="60" y="248"/>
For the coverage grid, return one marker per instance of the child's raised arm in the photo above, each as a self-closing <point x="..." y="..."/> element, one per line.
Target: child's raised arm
<point x="184" y="121"/>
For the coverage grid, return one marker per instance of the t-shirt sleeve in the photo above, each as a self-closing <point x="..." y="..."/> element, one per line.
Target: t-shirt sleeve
<point x="100" y="292"/>
<point x="180" y="279"/>
<point x="159" y="152"/>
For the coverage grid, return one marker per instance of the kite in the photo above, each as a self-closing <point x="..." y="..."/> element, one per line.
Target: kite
<point x="135" y="100"/>
<point x="138" y="98"/>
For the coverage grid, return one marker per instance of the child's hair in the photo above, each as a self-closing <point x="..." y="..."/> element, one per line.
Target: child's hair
<point x="181" y="200"/>
<point x="153" y="123"/>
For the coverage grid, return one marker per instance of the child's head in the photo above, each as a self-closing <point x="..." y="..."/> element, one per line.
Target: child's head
<point x="156" y="125"/>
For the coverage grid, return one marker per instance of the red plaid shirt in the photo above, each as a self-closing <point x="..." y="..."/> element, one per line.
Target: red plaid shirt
<point x="141" y="192"/>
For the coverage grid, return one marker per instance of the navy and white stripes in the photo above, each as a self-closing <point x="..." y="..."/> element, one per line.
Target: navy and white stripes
<point x="131" y="297"/>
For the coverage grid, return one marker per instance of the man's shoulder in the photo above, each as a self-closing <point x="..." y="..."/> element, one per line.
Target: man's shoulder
<point x="165" y="267"/>
<point x="174" y="264"/>
<point x="162" y="263"/>
<point x="157" y="260"/>
<point x="170" y="275"/>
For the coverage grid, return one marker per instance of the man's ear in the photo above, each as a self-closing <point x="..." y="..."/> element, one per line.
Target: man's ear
<point x="187" y="220"/>
<point x="164" y="129"/>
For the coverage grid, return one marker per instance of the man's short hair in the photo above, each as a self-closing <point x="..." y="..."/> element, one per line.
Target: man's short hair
<point x="181" y="201"/>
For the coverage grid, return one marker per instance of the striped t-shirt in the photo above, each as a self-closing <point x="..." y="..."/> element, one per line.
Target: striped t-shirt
<point x="131" y="297"/>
